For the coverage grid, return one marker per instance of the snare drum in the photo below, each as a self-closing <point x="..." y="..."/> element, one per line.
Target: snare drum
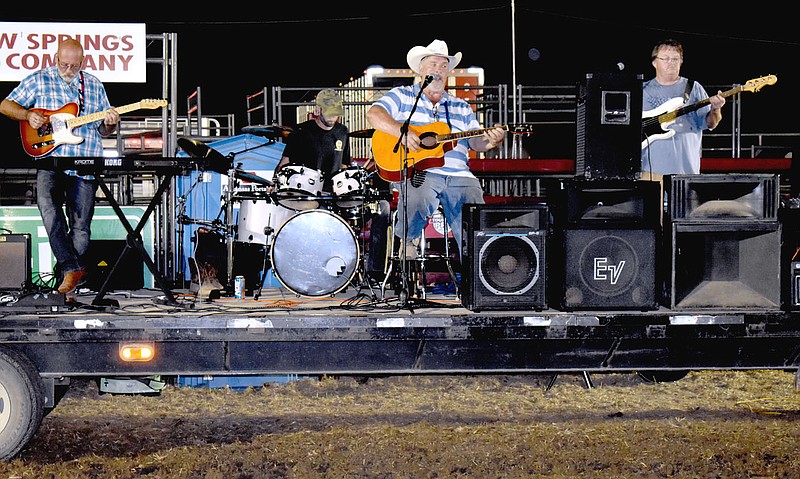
<point x="348" y="186"/>
<point x="298" y="186"/>
<point x="259" y="220"/>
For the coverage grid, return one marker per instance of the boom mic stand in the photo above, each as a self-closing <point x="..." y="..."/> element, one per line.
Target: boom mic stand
<point x="404" y="273"/>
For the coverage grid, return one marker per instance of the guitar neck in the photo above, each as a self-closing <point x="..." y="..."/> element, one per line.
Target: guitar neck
<point x="671" y="115"/>
<point x="466" y="134"/>
<point x="91" y="117"/>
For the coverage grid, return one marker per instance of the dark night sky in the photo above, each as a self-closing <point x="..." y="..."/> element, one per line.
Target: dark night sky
<point x="236" y="51"/>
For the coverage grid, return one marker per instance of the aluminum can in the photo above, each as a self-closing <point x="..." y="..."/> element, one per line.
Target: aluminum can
<point x="238" y="287"/>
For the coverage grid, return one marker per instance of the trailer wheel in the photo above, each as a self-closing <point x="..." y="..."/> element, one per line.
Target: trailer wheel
<point x="21" y="402"/>
<point x="662" y="376"/>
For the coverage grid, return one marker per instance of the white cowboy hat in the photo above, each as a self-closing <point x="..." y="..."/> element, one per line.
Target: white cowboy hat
<point x="437" y="48"/>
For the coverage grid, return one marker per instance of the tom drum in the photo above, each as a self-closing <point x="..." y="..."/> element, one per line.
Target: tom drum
<point x="259" y="219"/>
<point x="315" y="253"/>
<point x="348" y="186"/>
<point x="298" y="186"/>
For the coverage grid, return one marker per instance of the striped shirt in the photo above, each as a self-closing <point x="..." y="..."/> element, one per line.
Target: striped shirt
<point x="46" y="89"/>
<point x="453" y="111"/>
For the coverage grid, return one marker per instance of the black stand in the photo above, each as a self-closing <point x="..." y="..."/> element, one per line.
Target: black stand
<point x="405" y="300"/>
<point x="134" y="241"/>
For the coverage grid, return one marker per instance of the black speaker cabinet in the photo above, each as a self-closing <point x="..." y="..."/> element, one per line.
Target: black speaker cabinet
<point x="726" y="197"/>
<point x="100" y="259"/>
<point x="726" y="265"/>
<point x="609" y="268"/>
<point x="609" y="122"/>
<point x="15" y="261"/>
<point x="608" y="202"/>
<point x="504" y="257"/>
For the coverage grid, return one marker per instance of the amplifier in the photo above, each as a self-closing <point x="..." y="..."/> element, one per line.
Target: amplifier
<point x="15" y="261"/>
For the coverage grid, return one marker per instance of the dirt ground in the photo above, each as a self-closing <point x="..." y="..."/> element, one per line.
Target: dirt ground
<point x="710" y="424"/>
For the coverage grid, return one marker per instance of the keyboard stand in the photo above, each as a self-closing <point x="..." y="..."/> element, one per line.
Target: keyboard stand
<point x="134" y="241"/>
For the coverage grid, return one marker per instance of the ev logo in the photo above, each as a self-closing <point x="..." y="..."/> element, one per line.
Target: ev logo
<point x="603" y="271"/>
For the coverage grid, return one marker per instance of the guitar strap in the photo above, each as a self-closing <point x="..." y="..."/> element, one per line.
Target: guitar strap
<point x="687" y="93"/>
<point x="81" y="94"/>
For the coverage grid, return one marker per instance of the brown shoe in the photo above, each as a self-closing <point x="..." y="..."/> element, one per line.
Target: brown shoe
<point x="71" y="280"/>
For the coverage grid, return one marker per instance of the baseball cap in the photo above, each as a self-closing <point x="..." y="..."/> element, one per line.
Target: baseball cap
<point x="330" y="103"/>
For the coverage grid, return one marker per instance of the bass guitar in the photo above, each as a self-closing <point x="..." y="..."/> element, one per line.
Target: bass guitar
<point x="435" y="140"/>
<point x="656" y="122"/>
<point x="38" y="142"/>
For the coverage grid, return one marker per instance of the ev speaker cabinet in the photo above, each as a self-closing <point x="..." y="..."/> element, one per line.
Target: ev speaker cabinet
<point x="729" y="197"/>
<point x="726" y="265"/>
<point x="15" y="261"/>
<point x="504" y="257"/>
<point x="609" y="122"/>
<point x="606" y="202"/>
<point x="609" y="268"/>
<point x="100" y="260"/>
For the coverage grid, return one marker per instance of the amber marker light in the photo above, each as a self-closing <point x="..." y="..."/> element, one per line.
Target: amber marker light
<point x="137" y="352"/>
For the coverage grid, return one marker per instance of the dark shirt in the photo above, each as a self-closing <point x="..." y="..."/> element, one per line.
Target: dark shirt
<point x="323" y="150"/>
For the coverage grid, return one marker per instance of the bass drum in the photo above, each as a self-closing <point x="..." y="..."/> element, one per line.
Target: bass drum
<point x="315" y="253"/>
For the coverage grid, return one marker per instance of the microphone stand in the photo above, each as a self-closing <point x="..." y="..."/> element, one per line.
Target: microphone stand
<point x="404" y="276"/>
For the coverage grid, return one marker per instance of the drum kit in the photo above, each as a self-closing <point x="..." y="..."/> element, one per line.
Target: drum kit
<point x="310" y="238"/>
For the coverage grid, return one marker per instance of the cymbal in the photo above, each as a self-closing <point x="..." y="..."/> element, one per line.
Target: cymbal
<point x="243" y="175"/>
<point x="215" y="161"/>
<point x="367" y="133"/>
<point x="268" y="131"/>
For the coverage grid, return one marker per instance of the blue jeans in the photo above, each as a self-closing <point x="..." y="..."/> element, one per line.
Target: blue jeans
<point x="451" y="192"/>
<point x="69" y="235"/>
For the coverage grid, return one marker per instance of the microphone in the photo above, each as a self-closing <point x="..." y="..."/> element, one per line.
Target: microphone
<point x="427" y="81"/>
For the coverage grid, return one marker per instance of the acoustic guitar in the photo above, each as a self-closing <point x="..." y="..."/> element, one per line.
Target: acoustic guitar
<point x="435" y="140"/>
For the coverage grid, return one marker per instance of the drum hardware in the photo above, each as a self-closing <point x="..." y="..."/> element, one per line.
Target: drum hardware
<point x="268" y="131"/>
<point x="215" y="161"/>
<point x="365" y="133"/>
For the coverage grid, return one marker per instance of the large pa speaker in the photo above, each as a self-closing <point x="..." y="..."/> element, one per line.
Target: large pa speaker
<point x="609" y="122"/>
<point x="504" y="257"/>
<point x="609" y="202"/>
<point x="100" y="260"/>
<point x="729" y="197"/>
<point x="726" y="265"/>
<point x="15" y="261"/>
<point x="609" y="268"/>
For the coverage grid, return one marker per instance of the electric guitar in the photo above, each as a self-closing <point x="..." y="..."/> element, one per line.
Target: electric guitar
<point x="38" y="142"/>
<point x="435" y="140"/>
<point x="655" y="122"/>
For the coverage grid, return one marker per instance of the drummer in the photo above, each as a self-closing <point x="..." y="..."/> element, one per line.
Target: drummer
<point x="320" y="143"/>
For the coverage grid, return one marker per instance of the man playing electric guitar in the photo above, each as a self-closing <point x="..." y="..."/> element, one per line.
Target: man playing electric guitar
<point x="49" y="89"/>
<point x="678" y="152"/>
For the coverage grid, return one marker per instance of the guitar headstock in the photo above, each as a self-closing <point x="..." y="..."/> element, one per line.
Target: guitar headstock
<point x="758" y="83"/>
<point x="521" y="129"/>
<point x="152" y="103"/>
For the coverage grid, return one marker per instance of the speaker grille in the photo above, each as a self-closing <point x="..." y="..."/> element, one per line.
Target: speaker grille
<point x="509" y="264"/>
<point x="15" y="261"/>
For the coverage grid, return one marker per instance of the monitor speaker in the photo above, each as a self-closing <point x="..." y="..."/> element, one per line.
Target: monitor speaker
<point x="504" y="257"/>
<point x="612" y="268"/>
<point x="726" y="265"/>
<point x="100" y="260"/>
<point x="15" y="261"/>
<point x="609" y="123"/>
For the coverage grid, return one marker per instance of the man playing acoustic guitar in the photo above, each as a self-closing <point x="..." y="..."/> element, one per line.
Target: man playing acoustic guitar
<point x="441" y="176"/>
<point x="50" y="89"/>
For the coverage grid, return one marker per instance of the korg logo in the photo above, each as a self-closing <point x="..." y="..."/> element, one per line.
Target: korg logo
<point x="603" y="271"/>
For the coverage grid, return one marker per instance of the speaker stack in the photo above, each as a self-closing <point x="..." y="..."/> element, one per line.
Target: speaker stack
<point x="506" y="245"/>
<point x="609" y="126"/>
<point x="725" y="244"/>
<point x="608" y="231"/>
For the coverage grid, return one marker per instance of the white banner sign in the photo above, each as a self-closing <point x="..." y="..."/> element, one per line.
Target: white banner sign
<point x="115" y="52"/>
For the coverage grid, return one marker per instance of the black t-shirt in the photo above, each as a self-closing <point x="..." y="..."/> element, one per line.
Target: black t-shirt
<point x="323" y="150"/>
